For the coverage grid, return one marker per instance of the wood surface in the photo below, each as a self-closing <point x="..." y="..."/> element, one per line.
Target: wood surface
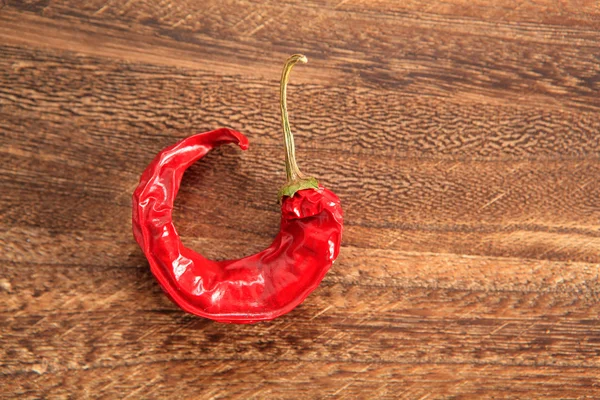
<point x="463" y="138"/>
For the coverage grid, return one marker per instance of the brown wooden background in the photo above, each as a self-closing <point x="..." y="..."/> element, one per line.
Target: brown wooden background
<point x="462" y="137"/>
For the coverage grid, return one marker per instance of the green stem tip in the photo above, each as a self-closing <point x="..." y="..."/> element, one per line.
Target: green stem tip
<point x="295" y="178"/>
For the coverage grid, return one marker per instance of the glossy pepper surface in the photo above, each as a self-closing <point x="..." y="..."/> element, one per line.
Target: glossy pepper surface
<point x="259" y="287"/>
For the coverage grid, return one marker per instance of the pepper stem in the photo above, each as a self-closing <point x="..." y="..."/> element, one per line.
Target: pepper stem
<point x="295" y="178"/>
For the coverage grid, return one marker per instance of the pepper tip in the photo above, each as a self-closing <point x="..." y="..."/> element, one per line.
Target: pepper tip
<point x="241" y="139"/>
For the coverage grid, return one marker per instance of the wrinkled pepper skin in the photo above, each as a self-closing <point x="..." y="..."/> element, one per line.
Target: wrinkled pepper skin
<point x="256" y="288"/>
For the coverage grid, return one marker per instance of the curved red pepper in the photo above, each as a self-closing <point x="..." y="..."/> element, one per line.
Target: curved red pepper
<point x="259" y="287"/>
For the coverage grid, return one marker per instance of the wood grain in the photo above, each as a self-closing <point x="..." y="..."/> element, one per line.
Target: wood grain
<point x="462" y="137"/>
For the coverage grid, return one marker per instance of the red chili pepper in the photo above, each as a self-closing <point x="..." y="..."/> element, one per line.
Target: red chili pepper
<point x="259" y="287"/>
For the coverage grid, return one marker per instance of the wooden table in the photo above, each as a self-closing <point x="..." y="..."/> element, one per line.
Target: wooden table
<point x="462" y="137"/>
